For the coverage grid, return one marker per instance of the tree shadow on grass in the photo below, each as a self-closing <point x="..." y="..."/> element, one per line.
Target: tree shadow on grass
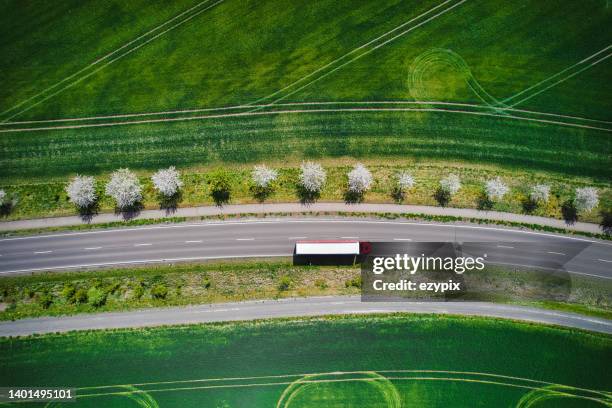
<point x="569" y="212"/>
<point x="484" y="203"/>
<point x="529" y="205"/>
<point x="352" y="197"/>
<point x="261" y="193"/>
<point x="398" y="195"/>
<point x="442" y="196"/>
<point x="6" y="208"/>
<point x="170" y="204"/>
<point x="131" y="212"/>
<point x="220" y="197"/>
<point x="87" y="213"/>
<point x="307" y="197"/>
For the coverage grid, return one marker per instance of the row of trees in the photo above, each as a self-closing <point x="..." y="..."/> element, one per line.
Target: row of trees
<point x="125" y="188"/>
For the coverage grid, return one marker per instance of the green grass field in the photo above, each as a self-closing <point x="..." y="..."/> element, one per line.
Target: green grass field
<point x="367" y="361"/>
<point x="460" y="73"/>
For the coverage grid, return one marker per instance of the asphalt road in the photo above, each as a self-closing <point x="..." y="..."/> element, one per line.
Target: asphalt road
<point x="276" y="237"/>
<point x="313" y="306"/>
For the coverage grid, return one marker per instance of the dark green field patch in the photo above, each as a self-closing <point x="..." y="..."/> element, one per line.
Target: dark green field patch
<point x="317" y="361"/>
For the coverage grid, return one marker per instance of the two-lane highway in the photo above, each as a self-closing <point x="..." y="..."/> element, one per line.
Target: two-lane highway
<point x="276" y="237"/>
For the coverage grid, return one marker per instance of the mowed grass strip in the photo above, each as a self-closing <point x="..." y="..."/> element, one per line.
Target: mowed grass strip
<point x="153" y="359"/>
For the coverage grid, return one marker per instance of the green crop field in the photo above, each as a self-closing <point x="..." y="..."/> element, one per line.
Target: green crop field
<point x="149" y="84"/>
<point x="377" y="361"/>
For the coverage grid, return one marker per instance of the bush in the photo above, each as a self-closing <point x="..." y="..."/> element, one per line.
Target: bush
<point x="96" y="297"/>
<point x="451" y="184"/>
<point x="359" y="179"/>
<point x="321" y="284"/>
<point x="138" y="292"/>
<point x="220" y="183"/>
<point x="81" y="191"/>
<point x="206" y="283"/>
<point x="125" y="188"/>
<point x="312" y="177"/>
<point x="167" y="182"/>
<point x="284" y="283"/>
<point x="159" y="291"/>
<point x="586" y="199"/>
<point x="68" y="292"/>
<point x="540" y="192"/>
<point x="45" y="300"/>
<point x="355" y="282"/>
<point x="495" y="189"/>
<point x="80" y="296"/>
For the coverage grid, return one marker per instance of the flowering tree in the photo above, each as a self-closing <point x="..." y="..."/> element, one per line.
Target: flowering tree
<point x="495" y="189"/>
<point x="359" y="179"/>
<point x="312" y="177"/>
<point x="125" y="188"/>
<point x="540" y="192"/>
<point x="405" y="181"/>
<point x="586" y="198"/>
<point x="81" y="191"/>
<point x="263" y="176"/>
<point x="167" y="181"/>
<point x="450" y="184"/>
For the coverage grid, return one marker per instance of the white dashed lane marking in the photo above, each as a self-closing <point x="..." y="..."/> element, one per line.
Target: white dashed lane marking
<point x="556" y="253"/>
<point x="92" y="248"/>
<point x="245" y="239"/>
<point x="505" y="246"/>
<point x="402" y="239"/>
<point x="604" y="260"/>
<point x="43" y="252"/>
<point x="145" y="244"/>
<point x="194" y="242"/>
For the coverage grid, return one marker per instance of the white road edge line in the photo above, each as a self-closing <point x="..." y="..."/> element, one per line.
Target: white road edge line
<point x="225" y="223"/>
<point x="139" y="261"/>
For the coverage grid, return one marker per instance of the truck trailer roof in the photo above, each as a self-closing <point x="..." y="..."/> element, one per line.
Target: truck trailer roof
<point x="327" y="247"/>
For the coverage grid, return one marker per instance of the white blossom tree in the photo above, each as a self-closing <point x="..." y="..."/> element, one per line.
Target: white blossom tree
<point x="312" y="177"/>
<point x="167" y="181"/>
<point x="540" y="192"/>
<point x="2" y="197"/>
<point x="81" y="191"/>
<point x="359" y="179"/>
<point x="450" y="184"/>
<point x="125" y="188"/>
<point x="263" y="176"/>
<point x="586" y="199"/>
<point x="405" y="181"/>
<point x="496" y="189"/>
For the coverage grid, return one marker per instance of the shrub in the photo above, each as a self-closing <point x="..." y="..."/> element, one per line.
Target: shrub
<point x="45" y="300"/>
<point x="80" y="296"/>
<point x="263" y="176"/>
<point x="451" y="184"/>
<point x="167" y="182"/>
<point x="220" y="184"/>
<point x="355" y="282"/>
<point x="96" y="297"/>
<point x="284" y="283"/>
<point x="586" y="199"/>
<point x="124" y="188"/>
<point x="68" y="292"/>
<point x="569" y="212"/>
<point x="312" y="177"/>
<point x="138" y="291"/>
<point x="2" y="197"/>
<point x="359" y="179"/>
<point x="81" y="191"/>
<point x="321" y="284"/>
<point x="206" y="283"/>
<point x="159" y="291"/>
<point x="495" y="189"/>
<point x="540" y="193"/>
